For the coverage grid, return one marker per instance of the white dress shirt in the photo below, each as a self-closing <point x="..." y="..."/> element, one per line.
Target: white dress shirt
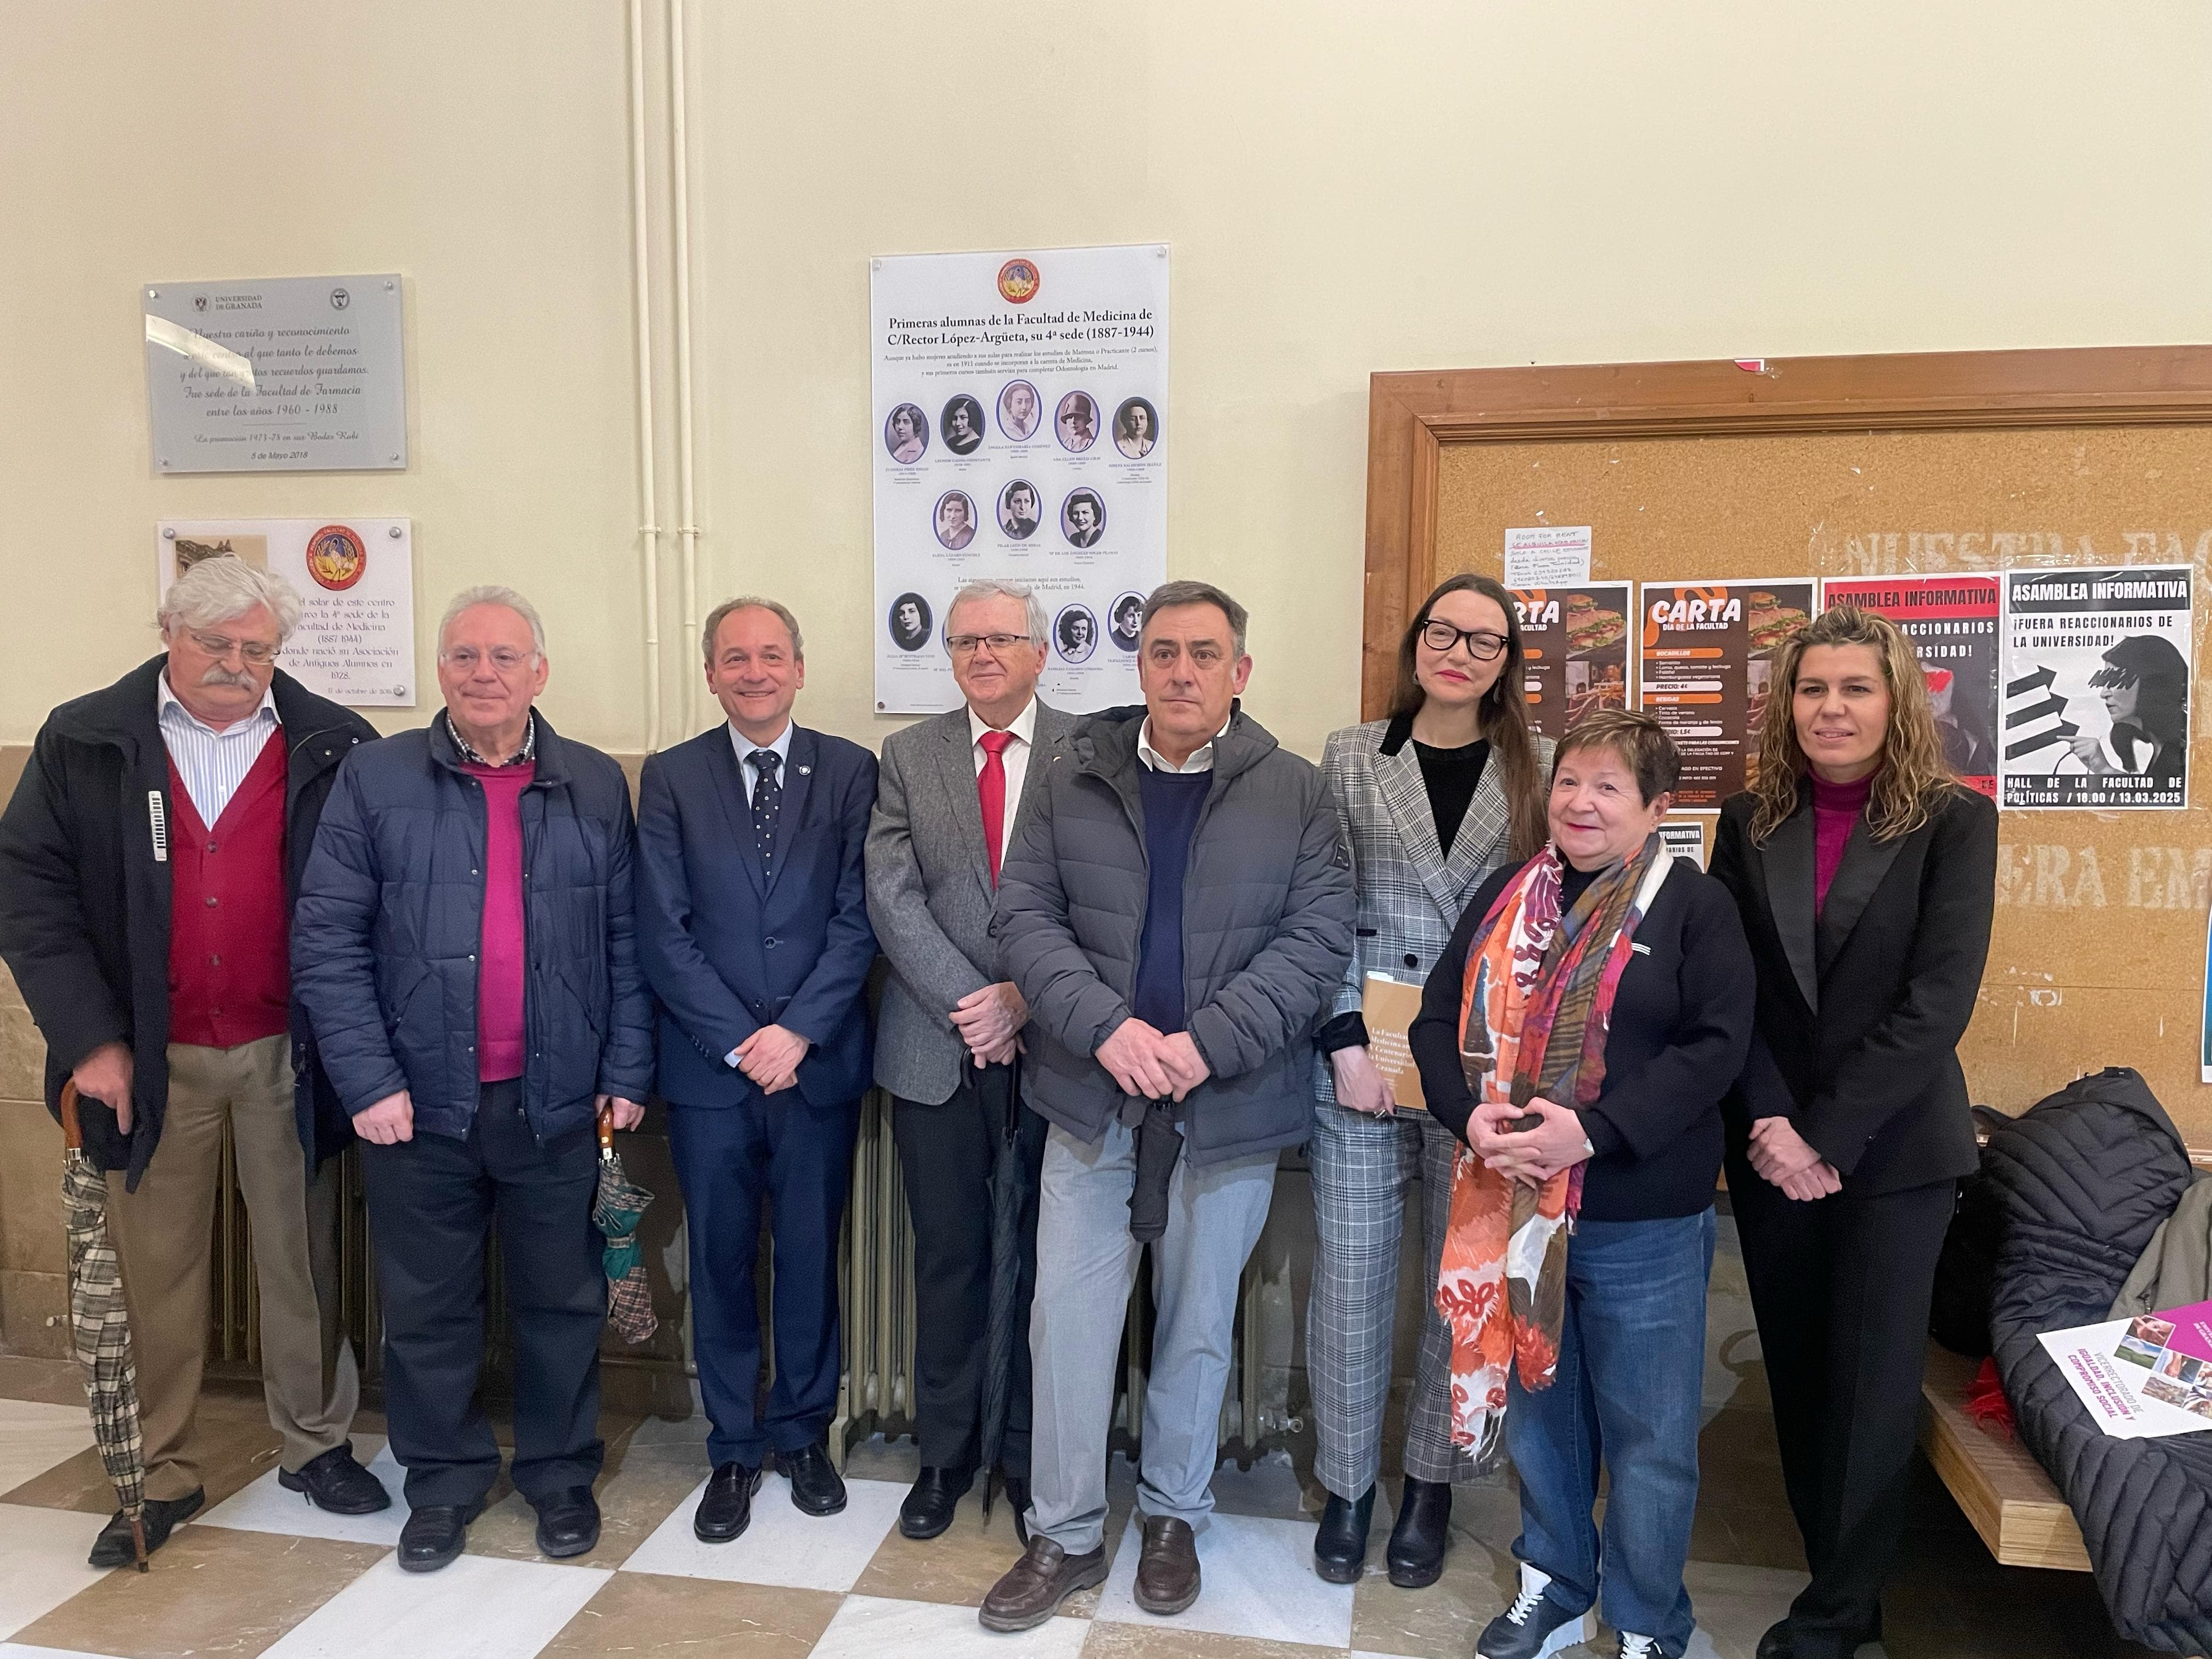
<point x="1201" y="758"/>
<point x="745" y="746"/>
<point x="1015" y="759"/>
<point x="212" y="763"/>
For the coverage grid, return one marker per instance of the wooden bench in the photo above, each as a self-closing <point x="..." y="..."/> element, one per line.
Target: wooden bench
<point x="2002" y="1490"/>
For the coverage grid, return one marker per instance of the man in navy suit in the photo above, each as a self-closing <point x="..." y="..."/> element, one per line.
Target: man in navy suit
<point x="753" y="929"/>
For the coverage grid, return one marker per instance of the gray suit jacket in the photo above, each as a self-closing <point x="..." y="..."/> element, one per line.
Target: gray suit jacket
<point x="929" y="892"/>
<point x="1410" y="894"/>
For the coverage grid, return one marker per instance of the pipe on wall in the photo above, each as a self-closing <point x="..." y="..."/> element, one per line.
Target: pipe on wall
<point x="647" y="456"/>
<point x="687" y="529"/>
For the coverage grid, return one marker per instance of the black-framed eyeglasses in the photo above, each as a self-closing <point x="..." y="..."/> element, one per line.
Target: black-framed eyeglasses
<point x="1481" y="644"/>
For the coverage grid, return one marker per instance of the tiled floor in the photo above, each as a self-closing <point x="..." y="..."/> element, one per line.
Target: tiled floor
<point x="259" y="1572"/>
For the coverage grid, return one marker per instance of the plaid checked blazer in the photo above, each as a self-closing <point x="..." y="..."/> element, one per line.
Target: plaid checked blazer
<point x="1410" y="894"/>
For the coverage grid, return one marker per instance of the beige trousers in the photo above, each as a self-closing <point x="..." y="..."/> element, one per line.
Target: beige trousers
<point x="163" y="1235"/>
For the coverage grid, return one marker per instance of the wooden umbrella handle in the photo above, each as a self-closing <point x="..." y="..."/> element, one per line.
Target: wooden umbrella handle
<point x="72" y="1131"/>
<point x="607" y="1128"/>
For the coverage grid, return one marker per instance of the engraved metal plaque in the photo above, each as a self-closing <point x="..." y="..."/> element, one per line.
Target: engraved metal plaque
<point x="282" y="375"/>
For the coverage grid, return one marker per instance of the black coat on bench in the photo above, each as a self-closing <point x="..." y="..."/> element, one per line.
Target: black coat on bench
<point x="2083" y="1180"/>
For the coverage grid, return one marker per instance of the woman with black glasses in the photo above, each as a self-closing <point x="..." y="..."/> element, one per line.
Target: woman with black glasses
<point x="1432" y="799"/>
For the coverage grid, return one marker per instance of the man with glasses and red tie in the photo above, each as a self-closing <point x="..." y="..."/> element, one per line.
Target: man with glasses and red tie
<point x="753" y="927"/>
<point x="952" y="791"/>
<point x="148" y="865"/>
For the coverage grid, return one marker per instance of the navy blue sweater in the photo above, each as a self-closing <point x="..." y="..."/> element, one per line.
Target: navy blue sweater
<point x="1172" y="801"/>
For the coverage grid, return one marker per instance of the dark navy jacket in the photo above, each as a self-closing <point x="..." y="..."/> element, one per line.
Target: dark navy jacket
<point x="728" y="950"/>
<point x="391" y="915"/>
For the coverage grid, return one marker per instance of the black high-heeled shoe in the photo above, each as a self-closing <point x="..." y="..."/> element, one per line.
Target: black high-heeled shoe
<point x="1341" y="1541"/>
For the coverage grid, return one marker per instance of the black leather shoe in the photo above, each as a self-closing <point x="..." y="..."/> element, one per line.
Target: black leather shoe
<point x="1790" y="1640"/>
<point x="930" y="1502"/>
<point x="336" y="1482"/>
<point x="726" y="1509"/>
<point x="568" y="1522"/>
<point x="1018" y="1499"/>
<point x="1416" y="1552"/>
<point x="113" y="1547"/>
<point x="1341" y="1542"/>
<point x="817" y="1488"/>
<point x="434" y="1534"/>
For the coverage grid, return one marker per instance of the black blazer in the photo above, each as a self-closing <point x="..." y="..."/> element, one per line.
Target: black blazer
<point x="1860" y="1014"/>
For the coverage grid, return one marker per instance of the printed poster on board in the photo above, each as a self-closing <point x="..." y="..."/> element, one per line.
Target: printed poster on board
<point x="1019" y="431"/>
<point x="355" y="579"/>
<point x="1573" y="643"/>
<point x="1707" y="658"/>
<point x="1952" y="621"/>
<point x="2096" y="673"/>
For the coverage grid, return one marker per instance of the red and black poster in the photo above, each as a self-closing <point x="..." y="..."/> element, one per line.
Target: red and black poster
<point x="1952" y="621"/>
<point x="1573" y="643"/>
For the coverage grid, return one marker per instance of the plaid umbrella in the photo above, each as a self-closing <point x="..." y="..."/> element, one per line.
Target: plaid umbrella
<point x="1009" y="1184"/>
<point x="100" y="1324"/>
<point x="614" y="1212"/>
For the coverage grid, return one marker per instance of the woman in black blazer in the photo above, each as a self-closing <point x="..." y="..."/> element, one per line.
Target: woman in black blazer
<point x="1865" y="877"/>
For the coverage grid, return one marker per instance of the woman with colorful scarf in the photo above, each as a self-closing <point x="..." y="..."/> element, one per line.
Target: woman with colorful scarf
<point x="1578" y="1034"/>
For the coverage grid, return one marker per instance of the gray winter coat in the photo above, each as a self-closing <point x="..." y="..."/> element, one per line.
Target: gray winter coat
<point x="1267" y="917"/>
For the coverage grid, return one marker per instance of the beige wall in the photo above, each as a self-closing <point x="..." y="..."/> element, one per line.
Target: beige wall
<point x="1346" y="188"/>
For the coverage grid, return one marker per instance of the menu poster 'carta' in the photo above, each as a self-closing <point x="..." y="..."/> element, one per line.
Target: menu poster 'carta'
<point x="1019" y="432"/>
<point x="1707" y="656"/>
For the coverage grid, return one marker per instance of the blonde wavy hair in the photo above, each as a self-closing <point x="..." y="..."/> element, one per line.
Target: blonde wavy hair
<point x="1913" y="775"/>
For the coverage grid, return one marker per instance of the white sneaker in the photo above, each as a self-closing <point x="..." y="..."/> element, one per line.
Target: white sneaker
<point x="1525" y="1630"/>
<point x="1640" y="1647"/>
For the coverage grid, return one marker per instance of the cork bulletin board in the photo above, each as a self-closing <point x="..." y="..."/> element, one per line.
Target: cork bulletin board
<point x="1867" y="466"/>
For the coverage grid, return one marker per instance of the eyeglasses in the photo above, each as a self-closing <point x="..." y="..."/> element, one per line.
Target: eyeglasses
<point x="963" y="645"/>
<point x="504" y="659"/>
<point x="1481" y="644"/>
<point x="258" y="652"/>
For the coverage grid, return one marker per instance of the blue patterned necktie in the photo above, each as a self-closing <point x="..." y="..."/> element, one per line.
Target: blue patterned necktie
<point x="767" y="802"/>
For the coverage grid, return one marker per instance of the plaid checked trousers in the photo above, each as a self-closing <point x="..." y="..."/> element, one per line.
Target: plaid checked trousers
<point x="1361" y="1169"/>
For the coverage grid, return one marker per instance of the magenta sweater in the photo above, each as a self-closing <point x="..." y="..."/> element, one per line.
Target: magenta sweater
<point x="1836" y="808"/>
<point x="499" y="1039"/>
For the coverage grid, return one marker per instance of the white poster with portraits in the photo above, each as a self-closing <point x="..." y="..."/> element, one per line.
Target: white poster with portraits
<point x="356" y="579"/>
<point x="1020" y="433"/>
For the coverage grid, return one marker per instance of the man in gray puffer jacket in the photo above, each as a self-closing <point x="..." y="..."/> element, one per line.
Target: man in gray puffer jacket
<point x="1178" y="914"/>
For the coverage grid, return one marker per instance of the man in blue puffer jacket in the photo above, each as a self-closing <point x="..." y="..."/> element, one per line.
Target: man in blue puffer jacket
<point x="465" y="946"/>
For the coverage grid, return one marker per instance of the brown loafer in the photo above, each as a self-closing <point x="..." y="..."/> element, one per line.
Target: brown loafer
<point x="1035" y="1585"/>
<point x="1166" y="1570"/>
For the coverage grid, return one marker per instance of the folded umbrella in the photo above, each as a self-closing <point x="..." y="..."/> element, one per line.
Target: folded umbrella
<point x="1009" y="1185"/>
<point x="100" y="1324"/>
<point x="616" y="1212"/>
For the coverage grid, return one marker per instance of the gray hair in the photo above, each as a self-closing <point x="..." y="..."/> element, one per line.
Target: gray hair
<point x="987" y="589"/>
<point x="750" y="602"/>
<point x="1168" y="594"/>
<point x="493" y="593"/>
<point x="218" y="589"/>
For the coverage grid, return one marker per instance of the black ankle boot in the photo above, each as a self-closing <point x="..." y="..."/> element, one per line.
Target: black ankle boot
<point x="1416" y="1553"/>
<point x="1341" y="1544"/>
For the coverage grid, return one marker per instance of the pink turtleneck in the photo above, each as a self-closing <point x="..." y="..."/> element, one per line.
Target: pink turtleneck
<point x="1836" y="808"/>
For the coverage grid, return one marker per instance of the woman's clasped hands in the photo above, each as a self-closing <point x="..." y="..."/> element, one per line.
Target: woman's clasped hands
<point x="1531" y="1155"/>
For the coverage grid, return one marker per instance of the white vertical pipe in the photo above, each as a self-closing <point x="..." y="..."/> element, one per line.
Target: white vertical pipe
<point x="680" y="160"/>
<point x="648" y="457"/>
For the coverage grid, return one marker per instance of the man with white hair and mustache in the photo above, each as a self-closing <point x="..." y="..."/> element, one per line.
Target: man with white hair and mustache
<point x="148" y="863"/>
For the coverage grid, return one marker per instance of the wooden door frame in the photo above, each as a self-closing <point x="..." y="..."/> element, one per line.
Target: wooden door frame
<point x="1412" y="416"/>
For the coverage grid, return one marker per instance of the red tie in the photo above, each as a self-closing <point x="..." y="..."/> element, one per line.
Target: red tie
<point x="991" y="793"/>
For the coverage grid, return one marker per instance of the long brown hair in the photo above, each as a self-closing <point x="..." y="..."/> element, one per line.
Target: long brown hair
<point x="1505" y="712"/>
<point x="1913" y="772"/>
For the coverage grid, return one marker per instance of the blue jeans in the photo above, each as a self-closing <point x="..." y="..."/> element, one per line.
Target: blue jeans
<point x="1628" y="1389"/>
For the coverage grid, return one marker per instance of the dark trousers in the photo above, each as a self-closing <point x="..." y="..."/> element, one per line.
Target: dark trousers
<point x="1841" y="1288"/>
<point x="796" y="1160"/>
<point x="945" y="1155"/>
<point x="433" y="1202"/>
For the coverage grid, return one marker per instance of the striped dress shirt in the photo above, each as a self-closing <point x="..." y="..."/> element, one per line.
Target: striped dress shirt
<point x="214" y="764"/>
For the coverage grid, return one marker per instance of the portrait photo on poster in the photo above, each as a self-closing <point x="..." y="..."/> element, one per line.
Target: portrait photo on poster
<point x="1125" y="621"/>
<point x="962" y="425"/>
<point x="1076" y="422"/>
<point x="1075" y="631"/>
<point x="1017" y="509"/>
<point x="955" y="521"/>
<point x="909" y="622"/>
<point x="1136" y="428"/>
<point x="906" y="433"/>
<point x="1018" y="411"/>
<point x="1083" y="518"/>
<point x="2095" y="687"/>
